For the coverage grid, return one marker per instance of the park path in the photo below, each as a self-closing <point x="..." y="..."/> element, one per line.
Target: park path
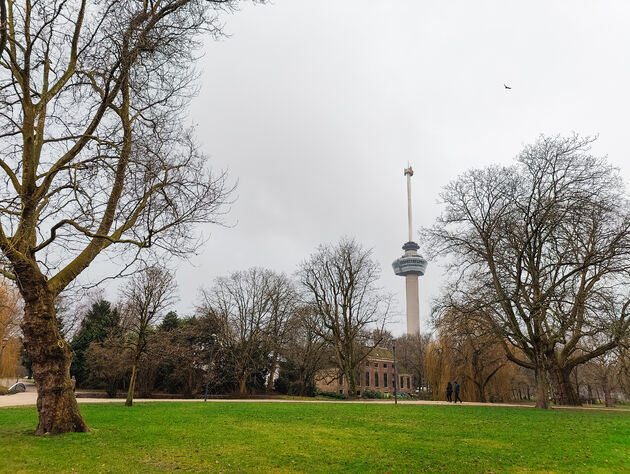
<point x="30" y="398"/>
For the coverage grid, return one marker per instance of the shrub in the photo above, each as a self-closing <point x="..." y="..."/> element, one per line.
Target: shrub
<point x="299" y="388"/>
<point x="335" y="395"/>
<point x="281" y="385"/>
<point x="373" y="394"/>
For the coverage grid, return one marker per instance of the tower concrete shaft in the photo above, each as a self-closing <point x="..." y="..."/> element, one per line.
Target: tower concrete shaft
<point x="413" y="305"/>
<point x="411" y="265"/>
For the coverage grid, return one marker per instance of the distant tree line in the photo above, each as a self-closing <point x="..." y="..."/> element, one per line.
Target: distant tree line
<point x="258" y="331"/>
<point x="537" y="306"/>
<point x="253" y="331"/>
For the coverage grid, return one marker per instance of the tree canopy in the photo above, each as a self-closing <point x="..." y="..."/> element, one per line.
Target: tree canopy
<point x="540" y="251"/>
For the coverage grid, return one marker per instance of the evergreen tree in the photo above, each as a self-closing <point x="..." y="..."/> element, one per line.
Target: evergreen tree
<point x="170" y="322"/>
<point x="99" y="322"/>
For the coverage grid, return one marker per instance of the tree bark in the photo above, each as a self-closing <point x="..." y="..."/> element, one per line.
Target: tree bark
<point x="563" y="389"/>
<point x="51" y="357"/>
<point x="608" y="399"/>
<point x="481" y="388"/>
<point x="352" y="383"/>
<point x="242" y="388"/>
<point x="132" y="385"/>
<point x="542" y="388"/>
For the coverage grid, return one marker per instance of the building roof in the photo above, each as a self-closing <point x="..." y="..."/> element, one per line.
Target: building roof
<point x="380" y="353"/>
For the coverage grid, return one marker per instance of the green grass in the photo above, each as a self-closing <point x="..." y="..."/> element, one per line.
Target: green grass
<point x="318" y="437"/>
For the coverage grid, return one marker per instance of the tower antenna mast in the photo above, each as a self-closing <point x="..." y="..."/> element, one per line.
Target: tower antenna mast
<point x="409" y="174"/>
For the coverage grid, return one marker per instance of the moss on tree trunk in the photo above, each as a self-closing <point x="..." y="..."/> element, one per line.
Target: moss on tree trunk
<point x="51" y="357"/>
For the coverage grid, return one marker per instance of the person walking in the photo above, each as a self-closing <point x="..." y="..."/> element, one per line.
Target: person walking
<point x="449" y="392"/>
<point x="456" y="390"/>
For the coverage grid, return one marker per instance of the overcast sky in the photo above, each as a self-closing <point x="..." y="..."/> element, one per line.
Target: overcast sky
<point x="316" y="107"/>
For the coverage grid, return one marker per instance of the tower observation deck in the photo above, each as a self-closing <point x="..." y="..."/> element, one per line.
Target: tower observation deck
<point x="411" y="265"/>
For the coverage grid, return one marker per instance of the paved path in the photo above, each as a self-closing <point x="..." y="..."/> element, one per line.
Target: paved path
<point x="30" y="398"/>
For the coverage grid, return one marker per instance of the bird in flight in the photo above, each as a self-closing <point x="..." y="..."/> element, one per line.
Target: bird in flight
<point x="506" y="86"/>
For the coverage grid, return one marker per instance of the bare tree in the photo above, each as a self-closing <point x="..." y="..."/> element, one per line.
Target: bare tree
<point x="148" y="294"/>
<point x="411" y="353"/>
<point x="606" y="373"/>
<point x="624" y="366"/>
<point x="340" y="282"/>
<point x="108" y="362"/>
<point x="252" y="308"/>
<point x="4" y="32"/>
<point x="95" y="153"/>
<point x="181" y="358"/>
<point x="282" y="321"/>
<point x="543" y="249"/>
<point x="306" y="350"/>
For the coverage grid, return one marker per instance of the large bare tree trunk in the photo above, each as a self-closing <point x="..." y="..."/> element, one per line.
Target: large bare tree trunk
<point x="350" y="375"/>
<point x="242" y="387"/>
<point x="51" y="358"/>
<point x="608" y="399"/>
<point x="481" y="390"/>
<point x="563" y="389"/>
<point x="542" y="388"/>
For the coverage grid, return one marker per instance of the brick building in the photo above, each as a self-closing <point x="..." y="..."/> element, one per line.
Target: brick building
<point x="377" y="372"/>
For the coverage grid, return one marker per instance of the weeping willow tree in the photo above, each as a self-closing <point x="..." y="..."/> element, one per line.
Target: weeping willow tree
<point x="10" y="317"/>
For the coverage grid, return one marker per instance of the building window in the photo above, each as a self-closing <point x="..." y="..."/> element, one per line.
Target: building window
<point x="393" y="366"/>
<point x="341" y="380"/>
<point x="358" y="393"/>
<point x="384" y="366"/>
<point x="384" y="380"/>
<point x="341" y="391"/>
<point x="367" y="364"/>
<point x="394" y="381"/>
<point x="375" y="364"/>
<point x="402" y="382"/>
<point x="376" y="379"/>
<point x="408" y="384"/>
<point x="367" y="379"/>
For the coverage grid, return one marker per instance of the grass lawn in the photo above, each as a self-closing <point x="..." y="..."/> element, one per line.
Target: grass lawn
<point x="309" y="437"/>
